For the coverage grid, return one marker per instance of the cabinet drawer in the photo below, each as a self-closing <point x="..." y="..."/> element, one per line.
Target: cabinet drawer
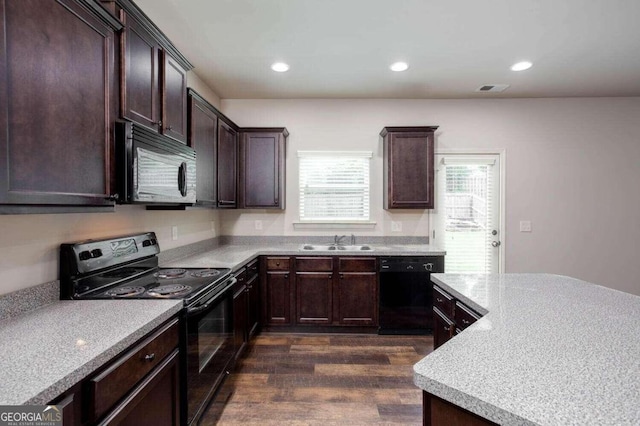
<point x="314" y="264"/>
<point x="116" y="381"/>
<point x="277" y="263"/>
<point x="443" y="301"/>
<point x="357" y="264"/>
<point x="464" y="316"/>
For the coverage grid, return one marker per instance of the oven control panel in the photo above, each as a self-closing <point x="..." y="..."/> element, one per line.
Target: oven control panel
<point x="93" y="255"/>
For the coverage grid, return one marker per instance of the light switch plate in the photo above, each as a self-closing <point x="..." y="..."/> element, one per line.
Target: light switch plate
<point x="396" y="226"/>
<point x="525" y="226"/>
<point x="257" y="224"/>
<point x="174" y="233"/>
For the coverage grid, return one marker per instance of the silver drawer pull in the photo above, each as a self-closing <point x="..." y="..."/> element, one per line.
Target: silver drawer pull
<point x="150" y="357"/>
<point x="439" y="300"/>
<point x="464" y="321"/>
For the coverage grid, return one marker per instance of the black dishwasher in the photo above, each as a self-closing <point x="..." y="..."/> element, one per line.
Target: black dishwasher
<point x="405" y="294"/>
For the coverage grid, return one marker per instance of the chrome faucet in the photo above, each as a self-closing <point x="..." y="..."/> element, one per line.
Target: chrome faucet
<point x="337" y="241"/>
<point x="353" y="240"/>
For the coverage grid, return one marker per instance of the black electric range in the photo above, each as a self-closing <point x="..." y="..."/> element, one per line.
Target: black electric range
<point x="126" y="267"/>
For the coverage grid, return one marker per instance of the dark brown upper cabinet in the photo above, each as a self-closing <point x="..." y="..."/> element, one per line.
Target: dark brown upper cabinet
<point x="203" y="136"/>
<point x="153" y="76"/>
<point x="262" y="168"/>
<point x="227" y="165"/>
<point x="174" y="98"/>
<point x="408" y="167"/>
<point x="59" y="100"/>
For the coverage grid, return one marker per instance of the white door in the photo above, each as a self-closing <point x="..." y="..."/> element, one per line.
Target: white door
<point x="466" y="219"/>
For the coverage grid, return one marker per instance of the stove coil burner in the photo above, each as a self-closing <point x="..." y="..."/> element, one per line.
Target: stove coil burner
<point x="170" y="273"/>
<point x="205" y="273"/>
<point x="124" y="292"/>
<point x="169" y="290"/>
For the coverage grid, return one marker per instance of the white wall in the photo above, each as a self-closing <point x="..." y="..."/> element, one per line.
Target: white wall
<point x="29" y="244"/>
<point x="195" y="82"/>
<point x="572" y="168"/>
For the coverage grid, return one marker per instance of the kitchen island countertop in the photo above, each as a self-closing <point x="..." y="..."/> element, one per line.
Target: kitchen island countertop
<point x="550" y="350"/>
<point x="48" y="350"/>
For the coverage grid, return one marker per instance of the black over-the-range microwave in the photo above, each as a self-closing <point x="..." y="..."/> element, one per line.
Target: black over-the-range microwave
<point x="152" y="168"/>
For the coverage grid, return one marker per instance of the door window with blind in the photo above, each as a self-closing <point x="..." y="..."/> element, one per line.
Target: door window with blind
<point x="466" y="219"/>
<point x="334" y="186"/>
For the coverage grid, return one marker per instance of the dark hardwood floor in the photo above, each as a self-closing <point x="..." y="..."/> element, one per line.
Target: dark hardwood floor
<point x="324" y="379"/>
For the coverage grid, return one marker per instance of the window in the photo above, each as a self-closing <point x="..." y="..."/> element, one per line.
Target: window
<point x="334" y="186"/>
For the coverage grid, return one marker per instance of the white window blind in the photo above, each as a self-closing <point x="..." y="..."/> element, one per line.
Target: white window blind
<point x="469" y="202"/>
<point x="334" y="186"/>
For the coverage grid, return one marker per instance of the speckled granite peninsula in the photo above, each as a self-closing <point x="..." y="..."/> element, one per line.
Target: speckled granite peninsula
<point x="48" y="350"/>
<point x="550" y="350"/>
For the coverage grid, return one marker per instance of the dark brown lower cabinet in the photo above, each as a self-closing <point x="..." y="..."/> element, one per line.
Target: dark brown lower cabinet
<point x="253" y="296"/>
<point x="438" y="412"/>
<point x="240" y="314"/>
<point x="275" y="286"/>
<point x="314" y="298"/>
<point x="326" y="291"/>
<point x="443" y="328"/>
<point x="353" y="308"/>
<point x="154" y="402"/>
<point x="450" y="316"/>
<point x="140" y="387"/>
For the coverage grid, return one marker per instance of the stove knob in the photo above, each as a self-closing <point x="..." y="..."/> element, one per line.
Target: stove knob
<point x="146" y="243"/>
<point x="96" y="253"/>
<point x="84" y="255"/>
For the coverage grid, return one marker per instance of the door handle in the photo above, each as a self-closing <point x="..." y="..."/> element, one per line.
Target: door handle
<point x="182" y="179"/>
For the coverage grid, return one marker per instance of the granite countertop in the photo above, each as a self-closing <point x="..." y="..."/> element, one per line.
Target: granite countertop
<point x="235" y="256"/>
<point x="551" y="350"/>
<point x="48" y="350"/>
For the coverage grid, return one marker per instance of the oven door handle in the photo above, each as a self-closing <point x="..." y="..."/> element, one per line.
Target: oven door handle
<point x="197" y="309"/>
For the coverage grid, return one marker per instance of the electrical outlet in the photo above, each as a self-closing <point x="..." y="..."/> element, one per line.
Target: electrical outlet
<point x="213" y="225"/>
<point x="174" y="233"/>
<point x="257" y="224"/>
<point x="396" y="226"/>
<point x="525" y="226"/>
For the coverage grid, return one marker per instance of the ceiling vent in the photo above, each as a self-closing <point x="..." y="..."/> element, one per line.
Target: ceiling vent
<point x="492" y="88"/>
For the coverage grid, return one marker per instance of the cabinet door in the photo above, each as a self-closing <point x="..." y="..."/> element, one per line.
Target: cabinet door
<point x="227" y="165"/>
<point x="140" y="75"/>
<point x="443" y="328"/>
<point x="277" y="298"/>
<point x="155" y="402"/>
<point x="174" y="99"/>
<point x="240" y="323"/>
<point x="203" y="128"/>
<point x="357" y="298"/>
<point x="253" y="314"/>
<point x="58" y="95"/>
<point x="262" y="172"/>
<point x="314" y="298"/>
<point x="408" y="166"/>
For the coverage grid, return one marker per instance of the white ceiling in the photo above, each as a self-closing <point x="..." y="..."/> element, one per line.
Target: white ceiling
<point x="343" y="48"/>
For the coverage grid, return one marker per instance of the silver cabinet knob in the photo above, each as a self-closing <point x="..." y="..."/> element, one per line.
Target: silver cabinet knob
<point x="495" y="243"/>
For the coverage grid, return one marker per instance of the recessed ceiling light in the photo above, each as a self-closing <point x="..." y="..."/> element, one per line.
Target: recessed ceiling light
<point x="280" y="67"/>
<point x="399" y="66"/>
<point x="521" y="66"/>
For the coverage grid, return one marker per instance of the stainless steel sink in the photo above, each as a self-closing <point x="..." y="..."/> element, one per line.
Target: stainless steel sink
<point x="334" y="247"/>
